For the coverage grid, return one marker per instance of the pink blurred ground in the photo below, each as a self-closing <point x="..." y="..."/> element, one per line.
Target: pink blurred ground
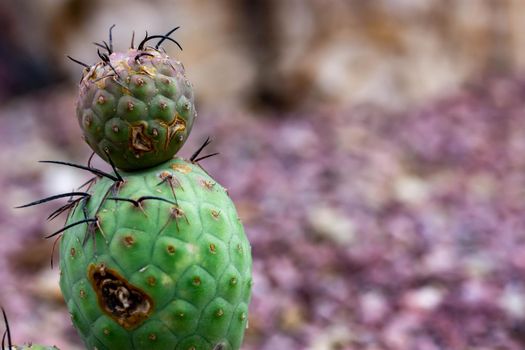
<point x="369" y="230"/>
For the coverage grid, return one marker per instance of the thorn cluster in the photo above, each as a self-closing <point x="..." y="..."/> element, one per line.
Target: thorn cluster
<point x="104" y="56"/>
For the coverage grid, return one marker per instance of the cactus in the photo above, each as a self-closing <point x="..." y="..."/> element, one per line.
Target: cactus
<point x="169" y="262"/>
<point x="154" y="257"/>
<point x="137" y="106"/>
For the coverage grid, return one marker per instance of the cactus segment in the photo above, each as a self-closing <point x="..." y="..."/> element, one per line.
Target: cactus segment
<point x="136" y="107"/>
<point x="166" y="265"/>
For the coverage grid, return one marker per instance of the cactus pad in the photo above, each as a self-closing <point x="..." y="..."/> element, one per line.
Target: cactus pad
<point x="158" y="260"/>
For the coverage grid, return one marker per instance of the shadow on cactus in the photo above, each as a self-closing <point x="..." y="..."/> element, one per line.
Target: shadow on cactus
<point x="154" y="258"/>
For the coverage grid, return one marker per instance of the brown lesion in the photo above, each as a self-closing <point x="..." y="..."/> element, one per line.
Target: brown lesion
<point x="181" y="168"/>
<point x="148" y="70"/>
<point x="215" y="214"/>
<point x="140" y="142"/>
<point x="178" y="124"/>
<point x="126" y="304"/>
<point x="207" y="184"/>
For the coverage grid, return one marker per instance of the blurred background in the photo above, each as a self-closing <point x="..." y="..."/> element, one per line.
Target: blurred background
<point x="373" y="148"/>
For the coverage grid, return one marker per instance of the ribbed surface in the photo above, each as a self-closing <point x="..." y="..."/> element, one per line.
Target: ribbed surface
<point x="191" y="259"/>
<point x="143" y="115"/>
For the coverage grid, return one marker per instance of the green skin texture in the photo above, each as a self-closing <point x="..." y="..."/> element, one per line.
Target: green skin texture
<point x="141" y="119"/>
<point x="196" y="267"/>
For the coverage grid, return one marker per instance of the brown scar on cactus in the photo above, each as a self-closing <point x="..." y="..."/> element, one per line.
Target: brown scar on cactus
<point x="215" y="214"/>
<point x="173" y="128"/>
<point x="139" y="141"/>
<point x="207" y="184"/>
<point x="125" y="303"/>
<point x="181" y="168"/>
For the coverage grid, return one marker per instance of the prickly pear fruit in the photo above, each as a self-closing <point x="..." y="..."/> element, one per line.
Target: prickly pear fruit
<point x="158" y="260"/>
<point x="137" y="106"/>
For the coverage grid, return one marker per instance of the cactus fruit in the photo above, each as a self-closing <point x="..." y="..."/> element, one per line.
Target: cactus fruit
<point x="158" y="260"/>
<point x="137" y="105"/>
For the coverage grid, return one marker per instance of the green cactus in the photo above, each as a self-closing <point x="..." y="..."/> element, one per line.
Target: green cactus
<point x="157" y="259"/>
<point x="137" y="106"/>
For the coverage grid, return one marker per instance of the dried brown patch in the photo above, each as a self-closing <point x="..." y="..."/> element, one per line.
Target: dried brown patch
<point x="181" y="168"/>
<point x="215" y="214"/>
<point x="128" y="241"/>
<point x="126" y="304"/>
<point x="207" y="184"/>
<point x="139" y="140"/>
<point x="178" y="124"/>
